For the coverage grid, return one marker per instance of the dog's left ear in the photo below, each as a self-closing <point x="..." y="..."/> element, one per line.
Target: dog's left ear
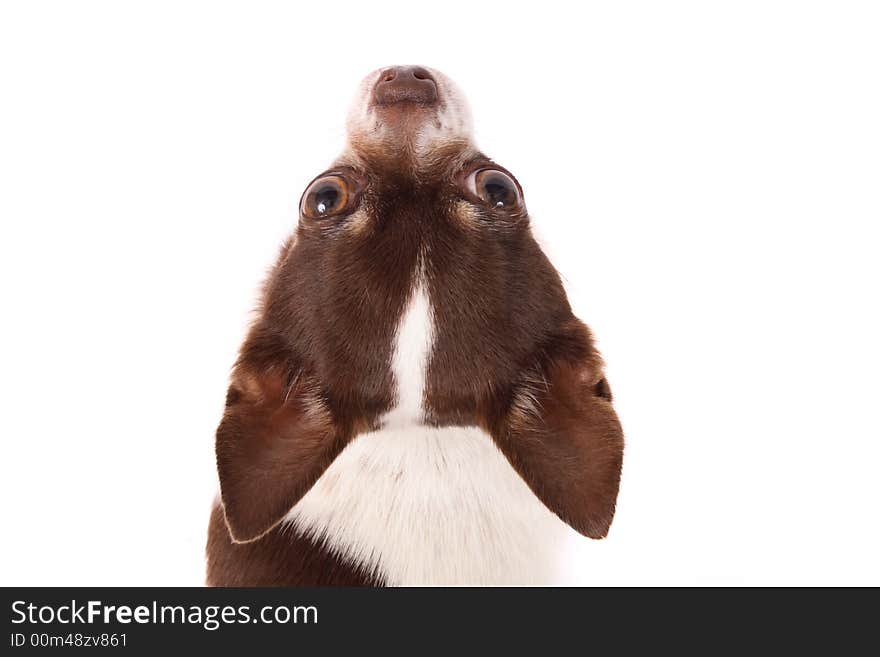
<point x="277" y="437"/>
<point x="560" y="432"/>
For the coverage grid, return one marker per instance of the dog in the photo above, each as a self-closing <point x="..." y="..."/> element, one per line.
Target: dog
<point x="415" y="404"/>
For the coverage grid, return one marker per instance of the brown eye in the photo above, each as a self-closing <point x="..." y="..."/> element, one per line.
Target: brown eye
<point x="326" y="197"/>
<point x="495" y="188"/>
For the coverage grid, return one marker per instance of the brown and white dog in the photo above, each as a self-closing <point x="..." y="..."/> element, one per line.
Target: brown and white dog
<point x="416" y="403"/>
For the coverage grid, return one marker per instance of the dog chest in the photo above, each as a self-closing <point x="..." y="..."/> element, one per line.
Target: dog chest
<point x="425" y="505"/>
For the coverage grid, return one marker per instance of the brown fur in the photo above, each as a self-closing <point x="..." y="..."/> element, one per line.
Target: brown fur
<point x="282" y="557"/>
<point x="314" y="371"/>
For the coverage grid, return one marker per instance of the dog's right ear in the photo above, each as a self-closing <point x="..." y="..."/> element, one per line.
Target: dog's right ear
<point x="276" y="439"/>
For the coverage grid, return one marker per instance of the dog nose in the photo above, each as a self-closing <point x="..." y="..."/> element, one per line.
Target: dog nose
<point x="402" y="83"/>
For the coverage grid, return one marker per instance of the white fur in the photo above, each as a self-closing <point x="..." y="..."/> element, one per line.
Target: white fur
<point x="421" y="505"/>
<point x="412" y="347"/>
<point x="425" y="505"/>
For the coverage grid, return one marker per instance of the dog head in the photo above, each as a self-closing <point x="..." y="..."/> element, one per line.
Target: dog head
<point x="413" y="205"/>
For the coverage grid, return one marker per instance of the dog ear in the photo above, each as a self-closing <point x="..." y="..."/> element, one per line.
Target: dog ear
<point x="560" y="432"/>
<point x="276" y="438"/>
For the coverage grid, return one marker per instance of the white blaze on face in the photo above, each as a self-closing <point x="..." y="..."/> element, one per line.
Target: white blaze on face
<point x="409" y="363"/>
<point x="450" y="120"/>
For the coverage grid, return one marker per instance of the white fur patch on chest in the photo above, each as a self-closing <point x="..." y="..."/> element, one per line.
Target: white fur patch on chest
<point x="421" y="505"/>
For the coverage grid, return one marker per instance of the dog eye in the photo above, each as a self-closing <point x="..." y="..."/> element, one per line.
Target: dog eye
<point x="495" y="188"/>
<point x="327" y="196"/>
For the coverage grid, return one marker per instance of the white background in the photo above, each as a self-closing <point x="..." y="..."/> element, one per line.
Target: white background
<point x="706" y="176"/>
